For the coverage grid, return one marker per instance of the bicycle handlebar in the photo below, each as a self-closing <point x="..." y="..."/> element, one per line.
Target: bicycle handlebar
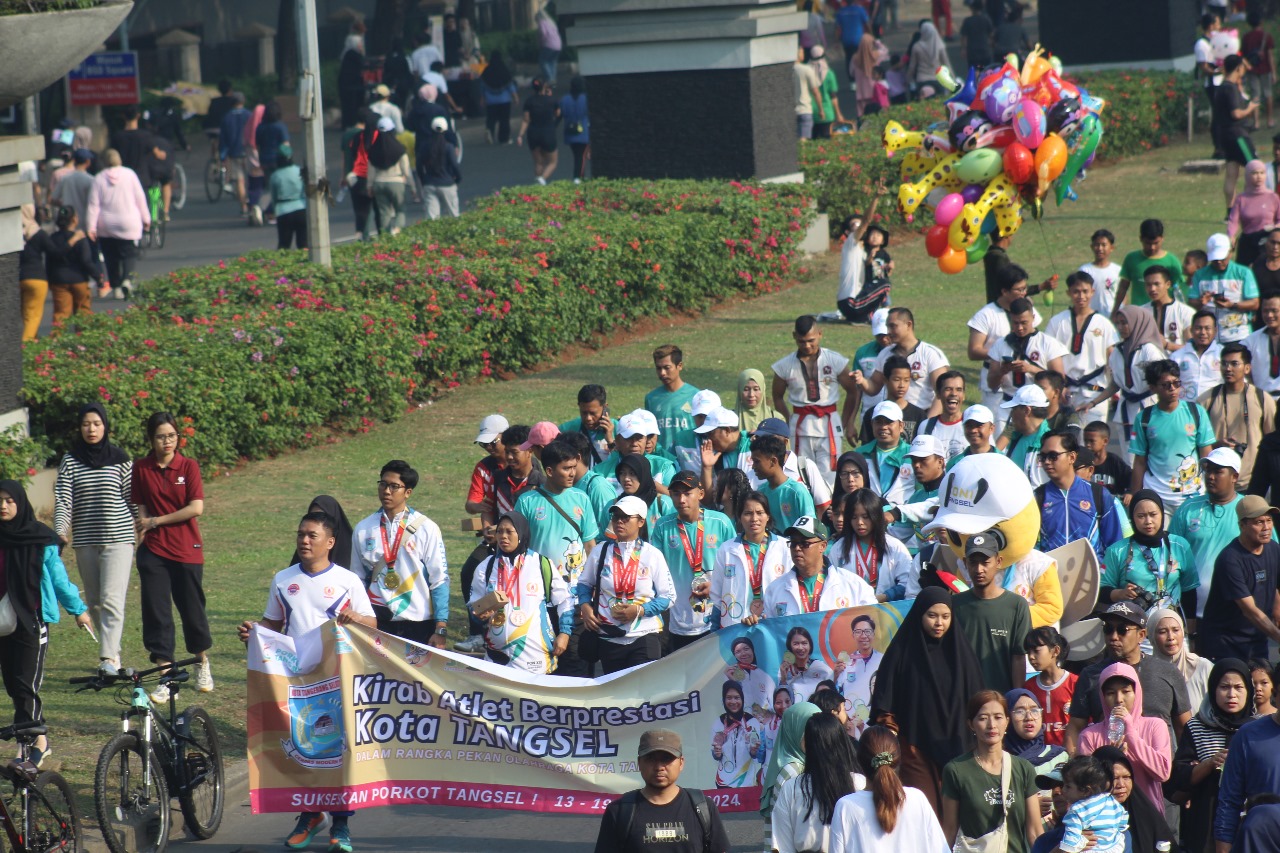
<point x="101" y="679"/>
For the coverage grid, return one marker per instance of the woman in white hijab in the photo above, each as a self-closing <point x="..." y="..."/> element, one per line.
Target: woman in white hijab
<point x="928" y="54"/>
<point x="1169" y="643"/>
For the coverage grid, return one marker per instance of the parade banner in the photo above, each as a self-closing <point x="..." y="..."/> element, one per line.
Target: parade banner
<point x="351" y="718"/>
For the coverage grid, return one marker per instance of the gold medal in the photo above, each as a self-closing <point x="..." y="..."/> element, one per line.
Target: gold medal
<point x="391" y="580"/>
<point x="499" y="618"/>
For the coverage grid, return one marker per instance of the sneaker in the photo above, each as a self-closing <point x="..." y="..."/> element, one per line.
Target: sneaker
<point x="160" y="695"/>
<point x="126" y="289"/>
<point x="108" y="667"/>
<point x="204" y="677"/>
<point x="105" y="290"/>
<point x="255" y="215"/>
<point x="228" y="189"/>
<point x="472" y="645"/>
<point x="308" y="827"/>
<point x="577" y="181"/>
<point x="340" y="838"/>
<point x="541" y="181"/>
<point x="37" y="756"/>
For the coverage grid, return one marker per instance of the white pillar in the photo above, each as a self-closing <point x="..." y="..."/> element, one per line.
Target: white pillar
<point x="310" y="105"/>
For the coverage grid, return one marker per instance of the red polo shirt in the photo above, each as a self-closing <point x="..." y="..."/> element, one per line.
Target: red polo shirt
<point x="163" y="491"/>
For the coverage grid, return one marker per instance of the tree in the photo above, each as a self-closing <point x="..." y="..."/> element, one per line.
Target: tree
<point x="287" y="60"/>
<point x="389" y="20"/>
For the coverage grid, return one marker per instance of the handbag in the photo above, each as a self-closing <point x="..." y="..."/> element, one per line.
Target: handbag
<point x="8" y="618"/>
<point x="997" y="840"/>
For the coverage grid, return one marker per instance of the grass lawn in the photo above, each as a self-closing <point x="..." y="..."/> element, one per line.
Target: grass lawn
<point x="251" y="513"/>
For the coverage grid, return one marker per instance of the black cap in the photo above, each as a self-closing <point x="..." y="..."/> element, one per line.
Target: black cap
<point x="1126" y="611"/>
<point x="1084" y="458"/>
<point x="986" y="543"/>
<point x="684" y="480"/>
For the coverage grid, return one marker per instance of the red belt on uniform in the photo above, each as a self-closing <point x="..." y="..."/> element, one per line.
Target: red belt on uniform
<point x="803" y="412"/>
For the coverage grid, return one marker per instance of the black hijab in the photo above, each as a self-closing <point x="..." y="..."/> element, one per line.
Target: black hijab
<point x="1146" y="822"/>
<point x="103" y="453"/>
<point x="521" y="524"/>
<point x="341" y="553"/>
<point x="1214" y="717"/>
<point x="857" y="459"/>
<point x="23" y="541"/>
<point x="926" y="683"/>
<point x="496" y="76"/>
<point x="1142" y="539"/>
<point x="638" y="465"/>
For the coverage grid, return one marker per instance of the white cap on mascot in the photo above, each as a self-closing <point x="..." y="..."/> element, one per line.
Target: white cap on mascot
<point x="986" y="491"/>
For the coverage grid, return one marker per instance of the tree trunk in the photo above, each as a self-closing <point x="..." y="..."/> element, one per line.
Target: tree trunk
<point x="389" y="19"/>
<point x="287" y="59"/>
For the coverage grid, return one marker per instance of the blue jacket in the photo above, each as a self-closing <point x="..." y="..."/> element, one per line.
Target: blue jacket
<point x="56" y="588"/>
<point x="1066" y="518"/>
<point x="231" y="134"/>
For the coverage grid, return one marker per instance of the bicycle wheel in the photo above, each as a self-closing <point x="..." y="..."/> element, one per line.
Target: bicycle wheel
<point x="158" y="229"/>
<point x="134" y="817"/>
<point x="201" y="761"/>
<point x="179" y="186"/>
<point x="52" y="820"/>
<point x="213" y="180"/>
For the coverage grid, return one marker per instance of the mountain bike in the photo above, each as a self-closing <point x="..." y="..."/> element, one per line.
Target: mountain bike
<point x="39" y="815"/>
<point x="154" y="235"/>
<point x="153" y="759"/>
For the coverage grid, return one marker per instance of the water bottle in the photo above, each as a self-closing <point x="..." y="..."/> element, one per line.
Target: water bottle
<point x="1115" y="729"/>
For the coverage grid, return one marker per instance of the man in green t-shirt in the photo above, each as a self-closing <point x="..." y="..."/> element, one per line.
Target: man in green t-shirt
<point x="788" y="498"/>
<point x="1133" y="270"/>
<point x="632" y="436"/>
<point x="995" y="620"/>
<point x="597" y="488"/>
<point x="1169" y="439"/>
<point x="593" y="421"/>
<point x="672" y="401"/>
<point x="1226" y="288"/>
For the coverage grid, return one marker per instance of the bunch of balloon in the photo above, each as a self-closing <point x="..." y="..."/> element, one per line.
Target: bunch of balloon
<point x="1012" y="136"/>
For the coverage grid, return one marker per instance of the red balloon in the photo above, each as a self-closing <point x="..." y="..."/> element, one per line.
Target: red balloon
<point x="935" y="241"/>
<point x="1019" y="163"/>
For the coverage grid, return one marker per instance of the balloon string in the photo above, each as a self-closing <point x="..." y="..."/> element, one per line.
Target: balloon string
<point x="1053" y="264"/>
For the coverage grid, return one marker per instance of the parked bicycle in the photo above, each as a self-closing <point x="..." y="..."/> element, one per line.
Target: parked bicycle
<point x="40" y="814"/>
<point x="153" y="759"/>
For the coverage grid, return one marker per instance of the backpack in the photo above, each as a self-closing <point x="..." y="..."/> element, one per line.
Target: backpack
<point x="545" y="564"/>
<point x="1144" y="417"/>
<point x="627" y="815"/>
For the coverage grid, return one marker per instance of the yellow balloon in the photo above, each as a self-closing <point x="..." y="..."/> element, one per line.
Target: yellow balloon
<point x="911" y="196"/>
<point x="956" y="238"/>
<point x="1000" y="190"/>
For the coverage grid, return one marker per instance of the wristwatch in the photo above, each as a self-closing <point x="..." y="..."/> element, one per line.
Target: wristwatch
<point x="442" y="628"/>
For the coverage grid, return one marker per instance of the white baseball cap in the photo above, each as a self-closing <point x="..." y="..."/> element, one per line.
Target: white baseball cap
<point x="631" y="505"/>
<point x="887" y="409"/>
<point x="979" y="492"/>
<point x="880" y="321"/>
<point x="491" y="429"/>
<point x="716" y="418"/>
<point x="1218" y="247"/>
<point x="630" y="425"/>
<point x="927" y="445"/>
<point x="648" y="421"/>
<point x="1028" y="395"/>
<point x="704" y="401"/>
<point x="979" y="413"/>
<point x="1224" y="457"/>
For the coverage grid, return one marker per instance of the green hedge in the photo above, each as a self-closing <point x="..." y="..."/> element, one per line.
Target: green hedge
<point x="265" y="353"/>
<point x="1144" y="110"/>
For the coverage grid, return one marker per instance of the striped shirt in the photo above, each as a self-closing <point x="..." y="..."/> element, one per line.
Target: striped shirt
<point x="1100" y="814"/>
<point x="93" y="502"/>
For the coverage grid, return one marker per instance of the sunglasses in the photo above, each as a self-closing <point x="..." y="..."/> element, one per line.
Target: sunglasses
<point x="1052" y="455"/>
<point x="1118" y="630"/>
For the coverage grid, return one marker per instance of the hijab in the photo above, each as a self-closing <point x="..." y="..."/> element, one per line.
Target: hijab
<point x="384" y="149"/>
<point x="1034" y="750"/>
<point x="1255" y="166"/>
<point x="749" y="419"/>
<point x="1146" y="822"/>
<point x="638" y="465"/>
<point x="857" y="459"/>
<point x="925" y="683"/>
<point x="103" y="453"/>
<point x="1142" y="330"/>
<point x="1184" y="660"/>
<point x="1213" y="717"/>
<point x="521" y="524"/>
<point x="786" y="750"/>
<point x="496" y="76"/>
<point x="864" y="60"/>
<point x="932" y="46"/>
<point x="1141" y="538"/>
<point x="730" y="719"/>
<point x="341" y="553"/>
<point x="23" y="541"/>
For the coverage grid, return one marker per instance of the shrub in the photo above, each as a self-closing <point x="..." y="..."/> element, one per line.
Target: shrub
<point x="1144" y="110"/>
<point x="264" y="353"/>
<point x="21" y="455"/>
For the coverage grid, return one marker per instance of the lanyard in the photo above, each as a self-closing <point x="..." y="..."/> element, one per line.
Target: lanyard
<point x="510" y="585"/>
<point x="805" y="605"/>
<point x="1160" y="572"/>
<point x="392" y="550"/>
<point x="755" y="568"/>
<point x="693" y="554"/>
<point x="868" y="567"/>
<point x="624" y="577"/>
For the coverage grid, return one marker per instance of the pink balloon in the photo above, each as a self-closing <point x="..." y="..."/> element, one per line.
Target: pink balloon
<point x="972" y="193"/>
<point x="1029" y="123"/>
<point x="948" y="209"/>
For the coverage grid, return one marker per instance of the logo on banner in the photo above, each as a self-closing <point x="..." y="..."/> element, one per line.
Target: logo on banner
<point x="315" y="724"/>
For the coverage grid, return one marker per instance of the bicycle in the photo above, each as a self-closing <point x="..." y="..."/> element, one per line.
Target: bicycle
<point x="154" y="759"/>
<point x="40" y="816"/>
<point x="154" y="235"/>
<point x="215" y="179"/>
<point x="178" y="198"/>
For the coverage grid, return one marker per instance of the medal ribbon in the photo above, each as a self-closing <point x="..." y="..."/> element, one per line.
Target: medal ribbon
<point x="391" y="551"/>
<point x="804" y="595"/>
<point x="510" y="584"/>
<point x="868" y="567"/>
<point x="624" y="577"/>
<point x="693" y="554"/>
<point x="756" y="569"/>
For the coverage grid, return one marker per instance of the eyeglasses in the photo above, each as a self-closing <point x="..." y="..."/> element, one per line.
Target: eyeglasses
<point x="1118" y="630"/>
<point x="384" y="486"/>
<point x="488" y="445"/>
<point x="863" y="632"/>
<point x="1027" y="713"/>
<point x="166" y="438"/>
<point x="803" y="543"/>
<point x="1052" y="455"/>
<point x="1170" y="385"/>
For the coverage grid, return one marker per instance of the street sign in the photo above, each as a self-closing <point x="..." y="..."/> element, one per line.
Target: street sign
<point x="109" y="78"/>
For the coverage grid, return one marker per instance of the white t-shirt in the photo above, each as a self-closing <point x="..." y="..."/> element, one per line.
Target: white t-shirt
<point x="856" y="829"/>
<point x="1041" y="349"/>
<point x="924" y="360"/>
<point x="435" y="78"/>
<point x="421" y="60"/>
<point x="853" y="260"/>
<point x="1259" y="344"/>
<point x="1200" y="371"/>
<point x="992" y="321"/>
<point x="304" y="602"/>
<point x="792" y="830"/>
<point x="1106" y="280"/>
<point x="806" y="80"/>
<point x="1099" y="337"/>
<point x="951" y="435"/>
<point x="830" y="365"/>
<point x="1177" y="321"/>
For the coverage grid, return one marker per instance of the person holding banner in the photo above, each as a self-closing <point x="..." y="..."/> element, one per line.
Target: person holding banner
<point x="737" y="741"/>
<point x="747" y="565"/>
<point x="623" y="591"/>
<point x="514" y="592"/>
<point x="814" y="584"/>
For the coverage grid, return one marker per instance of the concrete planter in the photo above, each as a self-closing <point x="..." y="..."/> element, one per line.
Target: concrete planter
<point x="39" y="48"/>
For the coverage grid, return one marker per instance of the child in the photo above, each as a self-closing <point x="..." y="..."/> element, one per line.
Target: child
<point x="880" y="101"/>
<point x="897" y="382"/>
<point x="1086" y="785"/>
<point x="304" y="597"/>
<point x="1263" y="684"/>
<point x="864" y="266"/>
<point x="1104" y="272"/>
<point x="1052" y="686"/>
<point x="1192" y="262"/>
<point x="1144" y="739"/>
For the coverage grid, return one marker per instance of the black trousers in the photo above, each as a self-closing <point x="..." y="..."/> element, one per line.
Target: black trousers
<point x="579" y="159"/>
<point x="291" y="227"/>
<point x="418" y="632"/>
<point x="362" y="204"/>
<point x="480" y="553"/>
<point x="167" y="584"/>
<point x="619" y="656"/>
<point x="497" y="120"/>
<point x="22" y="665"/>
<point x="120" y="256"/>
<point x="571" y="663"/>
<point x="679" y="641"/>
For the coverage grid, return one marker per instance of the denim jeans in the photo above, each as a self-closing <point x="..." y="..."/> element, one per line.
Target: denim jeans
<point x="547" y="60"/>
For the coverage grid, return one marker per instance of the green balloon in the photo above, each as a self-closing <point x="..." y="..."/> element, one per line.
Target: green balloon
<point x="978" y="250"/>
<point x="978" y="167"/>
<point x="1086" y="143"/>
